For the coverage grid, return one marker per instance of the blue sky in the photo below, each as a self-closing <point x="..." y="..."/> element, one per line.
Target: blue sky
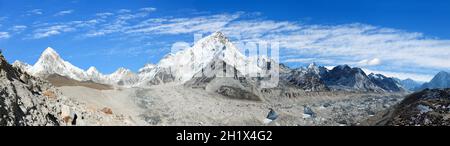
<point x="397" y="38"/>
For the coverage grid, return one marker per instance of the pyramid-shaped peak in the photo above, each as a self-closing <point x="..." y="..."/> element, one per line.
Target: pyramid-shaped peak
<point x="312" y="65"/>
<point x="49" y="50"/>
<point x="442" y="73"/>
<point x="92" y="69"/>
<point x="218" y="35"/>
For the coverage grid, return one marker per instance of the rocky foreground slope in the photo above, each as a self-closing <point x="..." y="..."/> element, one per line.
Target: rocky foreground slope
<point x="430" y="107"/>
<point x="425" y="108"/>
<point x="26" y="100"/>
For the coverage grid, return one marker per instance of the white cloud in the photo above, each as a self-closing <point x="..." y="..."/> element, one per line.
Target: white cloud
<point x="18" y="28"/>
<point x="308" y="60"/>
<point x="123" y="11"/>
<point x="35" y="12"/>
<point x="148" y="9"/>
<point x="371" y="62"/>
<point x="62" y="13"/>
<point x="4" y="35"/>
<point x="104" y="15"/>
<point x="51" y="31"/>
<point x="179" y="46"/>
<point x="201" y="24"/>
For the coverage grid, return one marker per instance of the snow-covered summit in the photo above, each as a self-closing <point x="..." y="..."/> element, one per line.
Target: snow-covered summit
<point x="184" y="64"/>
<point x="51" y="63"/>
<point x="22" y="65"/>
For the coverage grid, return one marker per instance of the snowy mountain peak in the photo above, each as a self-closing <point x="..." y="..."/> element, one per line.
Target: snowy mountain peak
<point x="219" y="35"/>
<point x="50" y="53"/>
<point x="92" y="70"/>
<point x="312" y="65"/>
<point x="49" y="50"/>
<point x="186" y="63"/>
<point x="122" y="71"/>
<point x="147" y="68"/>
<point x="22" y="65"/>
<point x="51" y="63"/>
<point x="377" y="76"/>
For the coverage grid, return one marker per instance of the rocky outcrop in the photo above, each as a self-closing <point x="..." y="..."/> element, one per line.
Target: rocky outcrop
<point x="25" y="100"/>
<point x="308" y="79"/>
<point x="386" y="83"/>
<point x="219" y="77"/>
<point x="343" y="77"/>
<point x="430" y="107"/>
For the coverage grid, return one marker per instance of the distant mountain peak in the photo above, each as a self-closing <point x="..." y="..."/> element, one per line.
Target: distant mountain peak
<point x="218" y="34"/>
<point x="92" y="70"/>
<point x="342" y="67"/>
<point x="312" y="65"/>
<point x="443" y="73"/>
<point x="50" y="52"/>
<point x="147" y="68"/>
<point x="377" y="76"/>
<point x="122" y="70"/>
<point x="439" y="81"/>
<point x="51" y="63"/>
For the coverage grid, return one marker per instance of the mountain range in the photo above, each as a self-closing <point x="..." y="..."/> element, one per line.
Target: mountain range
<point x="190" y="66"/>
<point x="439" y="81"/>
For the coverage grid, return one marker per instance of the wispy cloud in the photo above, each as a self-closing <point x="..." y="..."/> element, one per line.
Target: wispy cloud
<point x="200" y="24"/>
<point x="123" y="11"/>
<point x="62" y="13"/>
<point x="43" y="30"/>
<point x="148" y="9"/>
<point x="35" y="12"/>
<point x="4" y="35"/>
<point x="371" y="62"/>
<point x="104" y="15"/>
<point x="18" y="28"/>
<point x="51" y="31"/>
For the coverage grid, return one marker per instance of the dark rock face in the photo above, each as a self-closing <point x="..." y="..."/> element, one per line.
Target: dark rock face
<point x="164" y="75"/>
<point x="343" y="77"/>
<point x="272" y="115"/>
<point x="440" y="81"/>
<point x="23" y="100"/>
<point x="340" y="78"/>
<point x="386" y="83"/>
<point x="237" y="93"/>
<point x="425" y="108"/>
<point x="308" y="79"/>
<point x="224" y="79"/>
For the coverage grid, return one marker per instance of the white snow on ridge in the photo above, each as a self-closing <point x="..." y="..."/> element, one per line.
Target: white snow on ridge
<point x="183" y="65"/>
<point x="22" y="65"/>
<point x="51" y="63"/>
<point x="188" y="62"/>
